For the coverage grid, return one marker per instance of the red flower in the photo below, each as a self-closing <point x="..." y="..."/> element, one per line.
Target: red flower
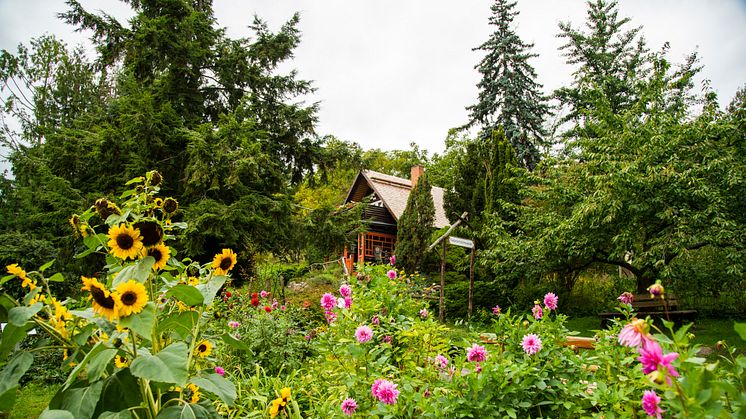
<point x="268" y="309"/>
<point x="228" y="294"/>
<point x="254" y="301"/>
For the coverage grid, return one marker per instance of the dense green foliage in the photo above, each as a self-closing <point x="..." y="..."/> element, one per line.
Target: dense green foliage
<point x="414" y="226"/>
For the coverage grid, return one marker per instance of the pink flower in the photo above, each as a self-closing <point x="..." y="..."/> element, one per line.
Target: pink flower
<point x="392" y="274"/>
<point x="496" y="310"/>
<point x="538" y="312"/>
<point x="374" y="387"/>
<point x="476" y="353"/>
<point x="375" y="320"/>
<point x="349" y="406"/>
<point x="651" y="404"/>
<point x="653" y="361"/>
<point x="550" y="301"/>
<point x="345" y="290"/>
<point x="283" y="308"/>
<point x="423" y="313"/>
<point x="634" y="333"/>
<point x="626" y="298"/>
<point x="656" y="290"/>
<point x="219" y="371"/>
<point x="441" y="362"/>
<point x="328" y="301"/>
<point x="427" y="393"/>
<point x="531" y="344"/>
<point x="233" y="324"/>
<point x="385" y="391"/>
<point x="363" y="334"/>
<point x="330" y="316"/>
<point x="386" y="339"/>
<point x="478" y="368"/>
<point x="392" y="260"/>
<point x="275" y="304"/>
<point x="264" y="294"/>
<point x="348" y="302"/>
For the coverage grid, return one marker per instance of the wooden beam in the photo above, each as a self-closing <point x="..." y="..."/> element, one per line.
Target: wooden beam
<point x="448" y="233"/>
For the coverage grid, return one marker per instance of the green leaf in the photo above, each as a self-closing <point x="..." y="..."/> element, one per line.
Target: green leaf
<point x="84" y="253"/>
<point x="9" y="377"/>
<point x="232" y="341"/>
<point x="58" y="277"/>
<point x="6" y="278"/>
<point x="92" y="242"/>
<point x="121" y="391"/>
<point x="167" y="366"/>
<point x="142" y="323"/>
<point x="97" y="365"/>
<point x="124" y="414"/>
<point x="218" y="386"/>
<point x="81" y="401"/>
<point x="79" y="368"/>
<point x="56" y="414"/>
<point x="138" y="179"/>
<point x="210" y="289"/>
<point x="187" y="294"/>
<point x="185" y="411"/>
<point x="179" y="323"/>
<point x="139" y="271"/>
<point x="740" y="328"/>
<point x="46" y="266"/>
<point x="11" y="336"/>
<point x="18" y="316"/>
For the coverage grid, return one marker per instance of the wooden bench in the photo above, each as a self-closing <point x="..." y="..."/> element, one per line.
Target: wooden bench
<point x="656" y="308"/>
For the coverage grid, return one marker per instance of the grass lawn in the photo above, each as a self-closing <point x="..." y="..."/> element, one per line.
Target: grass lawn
<point x="33" y="398"/>
<point x="707" y="331"/>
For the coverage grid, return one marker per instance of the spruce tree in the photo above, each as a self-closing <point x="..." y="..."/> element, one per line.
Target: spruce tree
<point x="508" y="92"/>
<point x="415" y="226"/>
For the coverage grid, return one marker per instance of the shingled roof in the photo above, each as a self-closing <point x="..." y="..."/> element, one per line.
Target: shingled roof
<point x="394" y="193"/>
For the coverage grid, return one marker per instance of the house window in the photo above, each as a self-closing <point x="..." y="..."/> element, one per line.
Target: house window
<point x="378" y="246"/>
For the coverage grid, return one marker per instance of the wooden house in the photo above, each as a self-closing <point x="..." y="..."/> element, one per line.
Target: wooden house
<point x="388" y="199"/>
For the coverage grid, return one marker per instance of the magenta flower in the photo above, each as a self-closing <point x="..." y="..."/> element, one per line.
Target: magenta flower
<point x="427" y="393"/>
<point x="330" y="316"/>
<point x="653" y="360"/>
<point x="651" y="404"/>
<point x="496" y="310"/>
<point x="550" y="301"/>
<point x="538" y="312"/>
<point x="634" y="333"/>
<point x="441" y="362"/>
<point x="219" y="371"/>
<point x="476" y="353"/>
<point x="345" y="290"/>
<point x="386" y="339"/>
<point x="348" y="302"/>
<point x="233" y="324"/>
<point x="375" y="320"/>
<point x="392" y="274"/>
<point x="264" y="294"/>
<point x="328" y="301"/>
<point x="656" y="290"/>
<point x="363" y="334"/>
<point x="424" y="313"/>
<point x="626" y="297"/>
<point x="385" y="391"/>
<point x="275" y="304"/>
<point x="531" y="344"/>
<point x="374" y="387"/>
<point x="392" y="260"/>
<point x="349" y="406"/>
<point x="477" y="368"/>
<point x="283" y="308"/>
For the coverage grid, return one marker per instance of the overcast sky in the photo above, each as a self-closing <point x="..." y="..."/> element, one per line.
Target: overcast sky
<point x="393" y="72"/>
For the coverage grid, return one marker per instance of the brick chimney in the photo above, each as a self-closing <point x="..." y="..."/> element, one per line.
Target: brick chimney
<point x="415" y="173"/>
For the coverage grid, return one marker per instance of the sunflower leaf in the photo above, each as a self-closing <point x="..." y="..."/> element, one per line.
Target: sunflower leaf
<point x="18" y="316"/>
<point x="58" y="277"/>
<point x="46" y="266"/>
<point x="185" y="411"/>
<point x="141" y="323"/>
<point x="98" y="363"/>
<point x="187" y="294"/>
<point x="11" y="336"/>
<point x="179" y="323"/>
<point x="79" y="368"/>
<point x="232" y="341"/>
<point x="219" y="386"/>
<point x="167" y="366"/>
<point x="139" y="271"/>
<point x="210" y="289"/>
<point x="9" y="377"/>
<point x="6" y="278"/>
<point x="56" y="414"/>
<point x="81" y="400"/>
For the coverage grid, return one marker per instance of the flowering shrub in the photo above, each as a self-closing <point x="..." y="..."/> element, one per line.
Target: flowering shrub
<point x="138" y="346"/>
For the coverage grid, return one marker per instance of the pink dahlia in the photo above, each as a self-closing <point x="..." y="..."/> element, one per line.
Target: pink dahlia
<point x="349" y="406"/>
<point x="233" y="324"/>
<point x="441" y="362"/>
<point x="363" y="334"/>
<point x="496" y="310"/>
<point x="220" y="371"/>
<point x="374" y="387"/>
<point x="330" y="316"/>
<point x="264" y="294"/>
<point x="476" y="353"/>
<point x="424" y="313"/>
<point x="345" y="290"/>
<point x="656" y="290"/>
<point x="375" y="320"/>
<point x="477" y="368"/>
<point x="348" y="302"/>
<point x="385" y="391"/>
<point x="392" y="274"/>
<point x="651" y="404"/>
<point x="634" y="333"/>
<point x="550" y="301"/>
<point x="328" y="301"/>
<point x="531" y="344"/>
<point x="386" y="339"/>
<point x="653" y="360"/>
<point x="626" y="298"/>
<point x="392" y="260"/>
<point x="538" y="312"/>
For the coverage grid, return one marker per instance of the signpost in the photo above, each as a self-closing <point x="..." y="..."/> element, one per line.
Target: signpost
<point x="469" y="244"/>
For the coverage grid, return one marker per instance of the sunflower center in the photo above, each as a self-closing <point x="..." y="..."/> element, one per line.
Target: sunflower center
<point x="156" y="253"/>
<point x="129" y="298"/>
<point x="202" y="348"/>
<point x="100" y="297"/>
<point x="225" y="263"/>
<point x="151" y="232"/>
<point x="125" y="241"/>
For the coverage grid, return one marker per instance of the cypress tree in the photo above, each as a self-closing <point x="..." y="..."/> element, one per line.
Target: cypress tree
<point x="509" y="95"/>
<point x="415" y="226"/>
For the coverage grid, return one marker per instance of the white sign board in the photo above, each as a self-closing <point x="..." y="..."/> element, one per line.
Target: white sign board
<point x="458" y="241"/>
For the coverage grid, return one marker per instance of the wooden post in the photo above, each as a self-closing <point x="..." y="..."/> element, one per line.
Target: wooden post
<point x="471" y="282"/>
<point x="441" y="304"/>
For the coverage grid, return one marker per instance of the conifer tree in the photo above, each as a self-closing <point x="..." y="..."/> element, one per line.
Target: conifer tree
<point x="508" y="92"/>
<point x="415" y="226"/>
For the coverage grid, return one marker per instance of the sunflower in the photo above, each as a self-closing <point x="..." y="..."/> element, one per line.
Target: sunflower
<point x="151" y="232"/>
<point x="224" y="262"/>
<point x="121" y="361"/>
<point x="104" y="208"/>
<point x="125" y="242"/>
<point x="192" y="393"/>
<point x="28" y="282"/>
<point x="279" y="404"/>
<point x="154" y="178"/>
<point x="132" y="297"/>
<point x="104" y="302"/>
<point x="158" y="202"/>
<point x="160" y="253"/>
<point x="170" y="205"/>
<point x="193" y="281"/>
<point x="203" y="348"/>
<point x="16" y="270"/>
<point x="79" y="226"/>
